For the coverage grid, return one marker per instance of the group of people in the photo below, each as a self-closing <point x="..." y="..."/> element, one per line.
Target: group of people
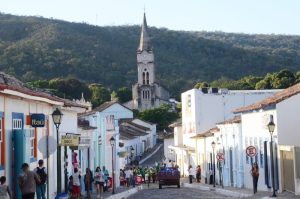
<point x="30" y="182"/>
<point x="132" y="175"/>
<point x="192" y="174"/>
<point x="99" y="180"/>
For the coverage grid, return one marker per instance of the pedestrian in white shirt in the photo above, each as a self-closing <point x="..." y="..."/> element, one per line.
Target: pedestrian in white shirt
<point x="191" y="174"/>
<point x="127" y="176"/>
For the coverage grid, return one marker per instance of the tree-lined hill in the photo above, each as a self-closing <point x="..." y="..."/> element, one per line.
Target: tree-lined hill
<point x="33" y="48"/>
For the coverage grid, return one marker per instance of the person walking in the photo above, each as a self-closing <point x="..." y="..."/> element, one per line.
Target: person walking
<point x="76" y="184"/>
<point x="106" y="175"/>
<point x="4" y="189"/>
<point x="191" y="174"/>
<point x="88" y="180"/>
<point x="27" y="182"/>
<point x="41" y="186"/>
<point x="255" y="174"/>
<point x="99" y="182"/>
<point x="198" y="173"/>
<point x="127" y="177"/>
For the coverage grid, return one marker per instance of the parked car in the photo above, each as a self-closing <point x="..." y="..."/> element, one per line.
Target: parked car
<point x="168" y="176"/>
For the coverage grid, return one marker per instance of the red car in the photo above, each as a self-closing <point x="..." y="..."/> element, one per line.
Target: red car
<point x="168" y="176"/>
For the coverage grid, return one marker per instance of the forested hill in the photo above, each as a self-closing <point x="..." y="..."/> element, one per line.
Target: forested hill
<point x="34" y="48"/>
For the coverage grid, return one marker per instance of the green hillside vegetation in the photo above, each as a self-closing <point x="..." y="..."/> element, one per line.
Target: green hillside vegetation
<point x="34" y="48"/>
<point x="277" y="80"/>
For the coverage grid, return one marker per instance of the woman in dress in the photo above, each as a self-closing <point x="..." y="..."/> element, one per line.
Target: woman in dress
<point x="76" y="184"/>
<point x="99" y="182"/>
<point x="255" y="174"/>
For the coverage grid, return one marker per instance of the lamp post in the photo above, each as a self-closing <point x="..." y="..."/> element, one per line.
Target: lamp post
<point x="271" y="127"/>
<point x="131" y="154"/>
<point x="57" y="116"/>
<point x="112" y="143"/>
<point x="213" y="145"/>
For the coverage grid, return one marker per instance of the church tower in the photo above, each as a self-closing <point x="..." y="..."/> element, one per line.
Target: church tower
<point x="147" y="93"/>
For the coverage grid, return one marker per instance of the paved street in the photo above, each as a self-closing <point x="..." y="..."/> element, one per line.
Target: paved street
<point x="157" y="157"/>
<point x="174" y="193"/>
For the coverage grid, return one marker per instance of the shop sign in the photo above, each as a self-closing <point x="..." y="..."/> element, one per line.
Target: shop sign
<point x="84" y="141"/>
<point x="36" y="120"/>
<point x="69" y="140"/>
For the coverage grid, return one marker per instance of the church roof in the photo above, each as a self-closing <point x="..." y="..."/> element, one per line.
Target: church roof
<point x="144" y="40"/>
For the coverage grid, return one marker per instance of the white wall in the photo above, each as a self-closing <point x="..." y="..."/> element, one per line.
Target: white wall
<point x="230" y="139"/>
<point x="255" y="132"/>
<point x="168" y="153"/>
<point x="288" y="113"/>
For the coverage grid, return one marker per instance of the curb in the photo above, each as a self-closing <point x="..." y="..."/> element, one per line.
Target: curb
<point x="218" y="190"/>
<point x="151" y="154"/>
<point x="124" y="194"/>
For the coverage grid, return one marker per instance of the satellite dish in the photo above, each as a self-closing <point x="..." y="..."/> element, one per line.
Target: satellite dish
<point x="42" y="145"/>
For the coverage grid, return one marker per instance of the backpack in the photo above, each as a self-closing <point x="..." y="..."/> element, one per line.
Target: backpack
<point x="42" y="174"/>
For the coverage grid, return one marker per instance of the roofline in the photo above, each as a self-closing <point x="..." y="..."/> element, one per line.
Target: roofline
<point x="38" y="96"/>
<point x="95" y="111"/>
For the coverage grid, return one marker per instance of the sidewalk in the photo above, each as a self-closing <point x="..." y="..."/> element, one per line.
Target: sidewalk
<point x="120" y="192"/>
<point x="236" y="192"/>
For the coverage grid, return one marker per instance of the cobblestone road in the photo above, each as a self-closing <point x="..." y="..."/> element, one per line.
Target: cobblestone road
<point x="174" y="193"/>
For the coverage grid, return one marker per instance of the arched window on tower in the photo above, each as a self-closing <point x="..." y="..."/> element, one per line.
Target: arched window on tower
<point x="144" y="79"/>
<point x="143" y="94"/>
<point x="147" y="78"/>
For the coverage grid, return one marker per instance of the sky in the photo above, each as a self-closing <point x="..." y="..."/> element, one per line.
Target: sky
<point x="242" y="16"/>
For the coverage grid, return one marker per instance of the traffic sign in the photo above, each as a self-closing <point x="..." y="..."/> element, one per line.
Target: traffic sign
<point x="251" y="151"/>
<point x="220" y="156"/>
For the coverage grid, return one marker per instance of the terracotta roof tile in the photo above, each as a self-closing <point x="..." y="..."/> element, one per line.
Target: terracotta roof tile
<point x="102" y="107"/>
<point x="207" y="133"/>
<point x="30" y="92"/>
<point x="236" y="119"/>
<point x="276" y="98"/>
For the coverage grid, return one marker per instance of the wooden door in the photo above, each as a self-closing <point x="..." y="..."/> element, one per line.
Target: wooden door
<point x="288" y="171"/>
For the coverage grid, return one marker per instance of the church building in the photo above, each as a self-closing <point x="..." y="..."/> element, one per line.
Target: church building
<point x="147" y="93"/>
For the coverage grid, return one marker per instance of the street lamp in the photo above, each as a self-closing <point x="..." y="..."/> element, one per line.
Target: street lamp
<point x="213" y="145"/>
<point x="112" y="143"/>
<point x="57" y="116"/>
<point x="131" y="154"/>
<point x="271" y="127"/>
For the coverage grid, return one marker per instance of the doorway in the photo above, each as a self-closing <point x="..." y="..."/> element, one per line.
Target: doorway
<point x="288" y="175"/>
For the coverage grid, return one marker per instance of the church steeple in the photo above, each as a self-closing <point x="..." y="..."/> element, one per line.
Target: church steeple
<point x="144" y="40"/>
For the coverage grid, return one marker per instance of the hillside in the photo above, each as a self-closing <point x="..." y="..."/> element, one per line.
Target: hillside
<point x="34" y="48"/>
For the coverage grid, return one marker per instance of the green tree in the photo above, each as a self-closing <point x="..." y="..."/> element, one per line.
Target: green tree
<point x="265" y="83"/>
<point x="70" y="88"/>
<point x="201" y="85"/>
<point x="123" y="94"/>
<point x="99" y="94"/>
<point x="283" y="79"/>
<point x="162" y="116"/>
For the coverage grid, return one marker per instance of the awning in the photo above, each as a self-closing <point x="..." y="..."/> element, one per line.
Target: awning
<point x="182" y="147"/>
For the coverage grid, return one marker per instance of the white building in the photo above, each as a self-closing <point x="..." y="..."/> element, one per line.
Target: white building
<point x="283" y="107"/>
<point x="105" y="119"/>
<point x="229" y="141"/>
<point x="20" y="142"/>
<point x="202" y="109"/>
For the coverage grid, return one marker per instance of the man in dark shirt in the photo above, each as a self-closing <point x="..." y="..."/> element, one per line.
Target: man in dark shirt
<point x="27" y="182"/>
